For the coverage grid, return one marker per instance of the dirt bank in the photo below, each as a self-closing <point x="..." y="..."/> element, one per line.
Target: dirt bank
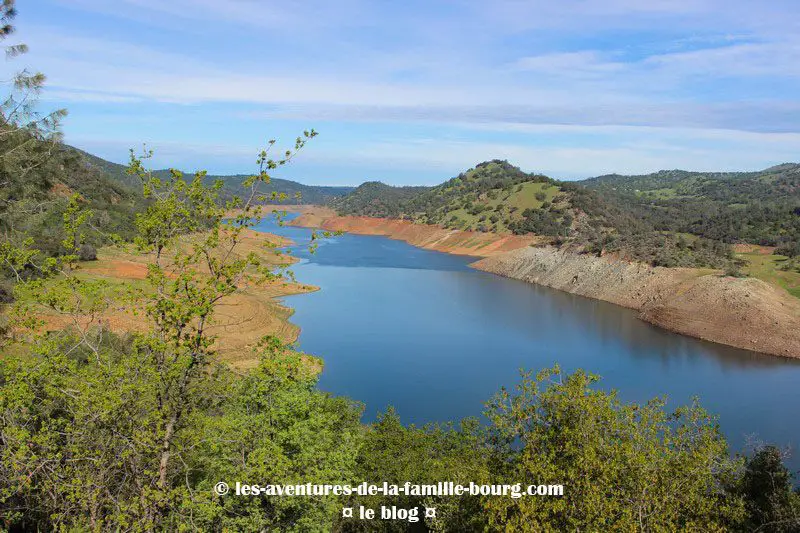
<point x="741" y="312"/>
<point x="241" y="320"/>
<point x="421" y="235"/>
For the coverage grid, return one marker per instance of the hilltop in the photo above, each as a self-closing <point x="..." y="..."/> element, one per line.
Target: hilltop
<point x="734" y="207"/>
<point x="377" y="199"/>
<point x="497" y="197"/>
<point x="33" y="203"/>
<point x="296" y="193"/>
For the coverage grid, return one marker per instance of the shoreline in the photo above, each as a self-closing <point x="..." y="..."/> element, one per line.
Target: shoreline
<point x="745" y="313"/>
<point x="242" y="318"/>
<point x="456" y="242"/>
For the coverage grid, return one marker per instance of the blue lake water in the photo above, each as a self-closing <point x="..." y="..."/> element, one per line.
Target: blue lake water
<point x="421" y="331"/>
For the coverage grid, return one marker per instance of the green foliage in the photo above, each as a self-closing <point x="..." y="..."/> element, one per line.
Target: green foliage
<point x="789" y="249"/>
<point x="107" y="433"/>
<point x="83" y="434"/>
<point x="625" y="467"/>
<point x="274" y="425"/>
<point x="376" y="199"/>
<point x="767" y="490"/>
<point x="754" y="207"/>
<point x="570" y="214"/>
<point x="398" y="454"/>
<point x="541" y="222"/>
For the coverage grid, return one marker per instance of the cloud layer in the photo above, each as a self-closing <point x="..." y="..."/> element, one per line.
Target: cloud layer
<point x="705" y="82"/>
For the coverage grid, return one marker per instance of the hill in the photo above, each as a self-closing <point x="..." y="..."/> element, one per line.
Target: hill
<point x="38" y="183"/>
<point x="736" y="207"/>
<point x="490" y="197"/>
<point x="308" y="194"/>
<point x="44" y="174"/>
<point x="376" y="199"/>
<point x="496" y="196"/>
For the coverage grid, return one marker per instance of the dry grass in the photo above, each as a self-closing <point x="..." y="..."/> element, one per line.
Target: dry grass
<point x="241" y="320"/>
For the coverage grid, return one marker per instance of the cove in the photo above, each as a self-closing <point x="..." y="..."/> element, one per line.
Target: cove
<point x="421" y="331"/>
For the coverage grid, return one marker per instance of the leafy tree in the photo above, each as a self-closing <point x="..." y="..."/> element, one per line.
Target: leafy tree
<point x="624" y="467"/>
<point x="766" y="486"/>
<point x="397" y="454"/>
<point x="27" y="138"/>
<point x="273" y="426"/>
<point x="111" y="434"/>
<point x="39" y="175"/>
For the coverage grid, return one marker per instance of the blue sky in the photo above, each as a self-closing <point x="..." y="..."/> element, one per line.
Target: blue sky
<point x="414" y="92"/>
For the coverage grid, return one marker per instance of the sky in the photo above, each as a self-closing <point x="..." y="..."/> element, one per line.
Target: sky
<point x="415" y="92"/>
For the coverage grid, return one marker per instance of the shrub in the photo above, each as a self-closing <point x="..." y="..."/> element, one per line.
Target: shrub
<point x="87" y="252"/>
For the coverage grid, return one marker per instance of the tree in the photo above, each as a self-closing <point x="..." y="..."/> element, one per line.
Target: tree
<point x="110" y="431"/>
<point x="766" y="487"/>
<point x="27" y="138"/>
<point x="624" y="467"/>
<point x="398" y="454"/>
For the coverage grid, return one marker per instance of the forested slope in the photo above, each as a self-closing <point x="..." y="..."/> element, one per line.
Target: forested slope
<point x="496" y="196"/>
<point x="755" y="207"/>
<point x="296" y="193"/>
<point x="38" y="183"/>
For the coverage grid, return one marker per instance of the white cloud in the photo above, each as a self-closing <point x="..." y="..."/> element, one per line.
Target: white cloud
<point x="633" y="151"/>
<point x="781" y="59"/>
<point x="714" y="87"/>
<point x="566" y="152"/>
<point x="587" y="62"/>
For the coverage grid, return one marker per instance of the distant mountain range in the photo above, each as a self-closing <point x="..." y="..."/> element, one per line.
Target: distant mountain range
<point x="309" y="194"/>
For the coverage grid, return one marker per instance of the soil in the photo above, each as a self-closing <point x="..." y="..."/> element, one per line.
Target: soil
<point x="427" y="236"/>
<point x="742" y="312"/>
<point x="241" y="320"/>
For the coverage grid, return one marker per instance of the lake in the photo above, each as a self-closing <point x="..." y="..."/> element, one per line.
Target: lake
<point x="421" y="331"/>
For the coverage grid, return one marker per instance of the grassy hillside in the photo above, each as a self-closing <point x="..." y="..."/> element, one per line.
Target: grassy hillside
<point x="762" y="263"/>
<point x="490" y="197"/>
<point x="496" y="196"/>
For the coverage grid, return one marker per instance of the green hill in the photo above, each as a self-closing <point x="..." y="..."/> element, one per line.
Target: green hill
<point x="376" y="199"/>
<point x="496" y="196"/>
<point x="37" y="189"/>
<point x="754" y="207"/>
<point x="308" y="194"/>
<point x="490" y="197"/>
